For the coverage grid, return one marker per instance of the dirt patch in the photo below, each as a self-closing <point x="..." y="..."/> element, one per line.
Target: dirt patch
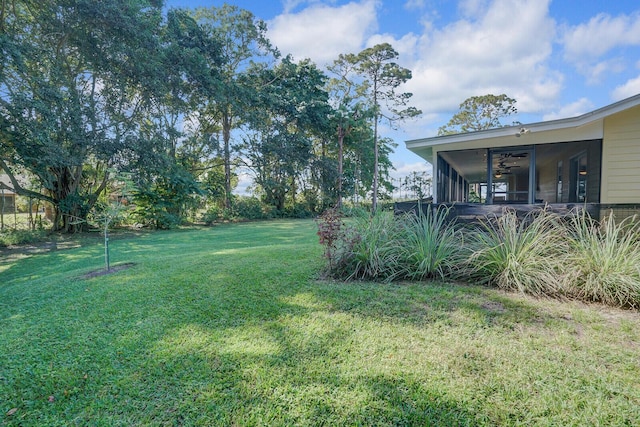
<point x="493" y="306"/>
<point x="104" y="272"/>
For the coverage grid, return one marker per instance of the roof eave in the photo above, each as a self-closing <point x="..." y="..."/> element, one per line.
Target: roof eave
<point x="571" y="122"/>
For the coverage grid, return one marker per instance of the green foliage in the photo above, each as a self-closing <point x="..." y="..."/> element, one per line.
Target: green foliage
<point x="541" y="254"/>
<point x="289" y="113"/>
<point x="212" y="215"/>
<point x="351" y="210"/>
<point x="73" y="96"/>
<point x="522" y="254"/>
<point x="385" y="247"/>
<point x="250" y="208"/>
<point x="299" y="209"/>
<point x="10" y="236"/>
<point x="154" y="210"/>
<point x="242" y="209"/>
<point x="89" y="87"/>
<point x="418" y="183"/>
<point x="382" y="77"/>
<point x="603" y="260"/>
<point x="480" y="113"/>
<point x="370" y="248"/>
<point x="431" y="245"/>
<point x="242" y="38"/>
<point x="164" y="203"/>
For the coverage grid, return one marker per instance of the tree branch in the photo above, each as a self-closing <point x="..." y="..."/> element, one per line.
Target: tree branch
<point x="17" y="188"/>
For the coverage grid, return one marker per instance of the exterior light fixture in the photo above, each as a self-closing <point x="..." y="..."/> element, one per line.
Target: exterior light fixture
<point x="522" y="131"/>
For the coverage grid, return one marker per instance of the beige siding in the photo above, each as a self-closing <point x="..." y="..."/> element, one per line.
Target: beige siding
<point x="621" y="158"/>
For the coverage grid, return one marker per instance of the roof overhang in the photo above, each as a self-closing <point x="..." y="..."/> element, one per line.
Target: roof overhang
<point x="584" y="127"/>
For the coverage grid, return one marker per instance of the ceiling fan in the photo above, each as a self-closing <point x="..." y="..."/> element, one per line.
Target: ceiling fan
<point x="515" y="156"/>
<point x="503" y="166"/>
<point x="500" y="172"/>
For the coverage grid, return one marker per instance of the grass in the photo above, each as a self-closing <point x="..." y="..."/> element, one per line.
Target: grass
<point x="229" y="326"/>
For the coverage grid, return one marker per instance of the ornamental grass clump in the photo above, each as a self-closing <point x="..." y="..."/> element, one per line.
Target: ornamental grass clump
<point x="518" y="254"/>
<point x="432" y="245"/>
<point x="373" y="247"/>
<point x="604" y="260"/>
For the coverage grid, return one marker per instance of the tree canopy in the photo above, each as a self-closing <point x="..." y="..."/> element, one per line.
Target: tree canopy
<point x="75" y="81"/>
<point x="382" y="77"/>
<point x="480" y="113"/>
<point x="180" y="100"/>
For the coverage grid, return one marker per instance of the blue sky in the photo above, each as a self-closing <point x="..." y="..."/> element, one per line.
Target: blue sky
<point x="557" y="58"/>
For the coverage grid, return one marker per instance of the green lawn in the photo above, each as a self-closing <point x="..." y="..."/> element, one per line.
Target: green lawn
<point x="230" y="326"/>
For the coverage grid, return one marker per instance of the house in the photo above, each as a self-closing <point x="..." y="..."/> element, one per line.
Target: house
<point x="592" y="160"/>
<point x="7" y="195"/>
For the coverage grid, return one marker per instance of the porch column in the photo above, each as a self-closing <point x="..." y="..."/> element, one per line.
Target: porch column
<point x="532" y="176"/>
<point x="489" y="199"/>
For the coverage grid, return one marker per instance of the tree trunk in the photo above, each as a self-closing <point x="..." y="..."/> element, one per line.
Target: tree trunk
<point x="341" y="134"/>
<point x="376" y="172"/>
<point x="226" y="137"/>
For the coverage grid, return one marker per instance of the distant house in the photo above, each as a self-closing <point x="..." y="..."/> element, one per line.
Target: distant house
<point x="7" y="197"/>
<point x="591" y="160"/>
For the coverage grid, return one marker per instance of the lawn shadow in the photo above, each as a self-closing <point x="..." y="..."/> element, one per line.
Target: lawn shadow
<point x="403" y="400"/>
<point x="422" y="303"/>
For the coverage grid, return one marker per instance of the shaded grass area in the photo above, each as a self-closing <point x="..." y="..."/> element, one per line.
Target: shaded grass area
<point x="230" y="326"/>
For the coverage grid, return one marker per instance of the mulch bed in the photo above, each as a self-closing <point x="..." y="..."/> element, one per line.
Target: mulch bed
<point x="111" y="270"/>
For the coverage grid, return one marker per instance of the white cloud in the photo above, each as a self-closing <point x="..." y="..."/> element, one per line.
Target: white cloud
<point x="322" y="32"/>
<point x="245" y="183"/>
<point x="600" y="35"/>
<point x="630" y="88"/>
<point x="403" y="169"/>
<point x="592" y="47"/>
<point x="577" y="108"/>
<point x="596" y="72"/>
<point x="471" y="8"/>
<point x="290" y="5"/>
<point x="414" y="4"/>
<point x="493" y="50"/>
<point x="403" y="46"/>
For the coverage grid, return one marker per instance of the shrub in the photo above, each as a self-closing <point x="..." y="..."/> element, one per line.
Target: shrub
<point x="250" y="208"/>
<point x="298" y="210"/>
<point x="212" y="215"/>
<point x="331" y="234"/>
<point x="10" y="236"/>
<point x="518" y="254"/>
<point x="372" y="247"/>
<point x="604" y="260"/>
<point x="350" y="210"/>
<point x="432" y="245"/>
<point x="243" y="208"/>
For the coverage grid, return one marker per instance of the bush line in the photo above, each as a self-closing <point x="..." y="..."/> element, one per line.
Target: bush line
<point x="541" y="254"/>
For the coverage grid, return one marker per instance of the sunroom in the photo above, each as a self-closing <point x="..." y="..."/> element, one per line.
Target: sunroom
<point x="591" y="160"/>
